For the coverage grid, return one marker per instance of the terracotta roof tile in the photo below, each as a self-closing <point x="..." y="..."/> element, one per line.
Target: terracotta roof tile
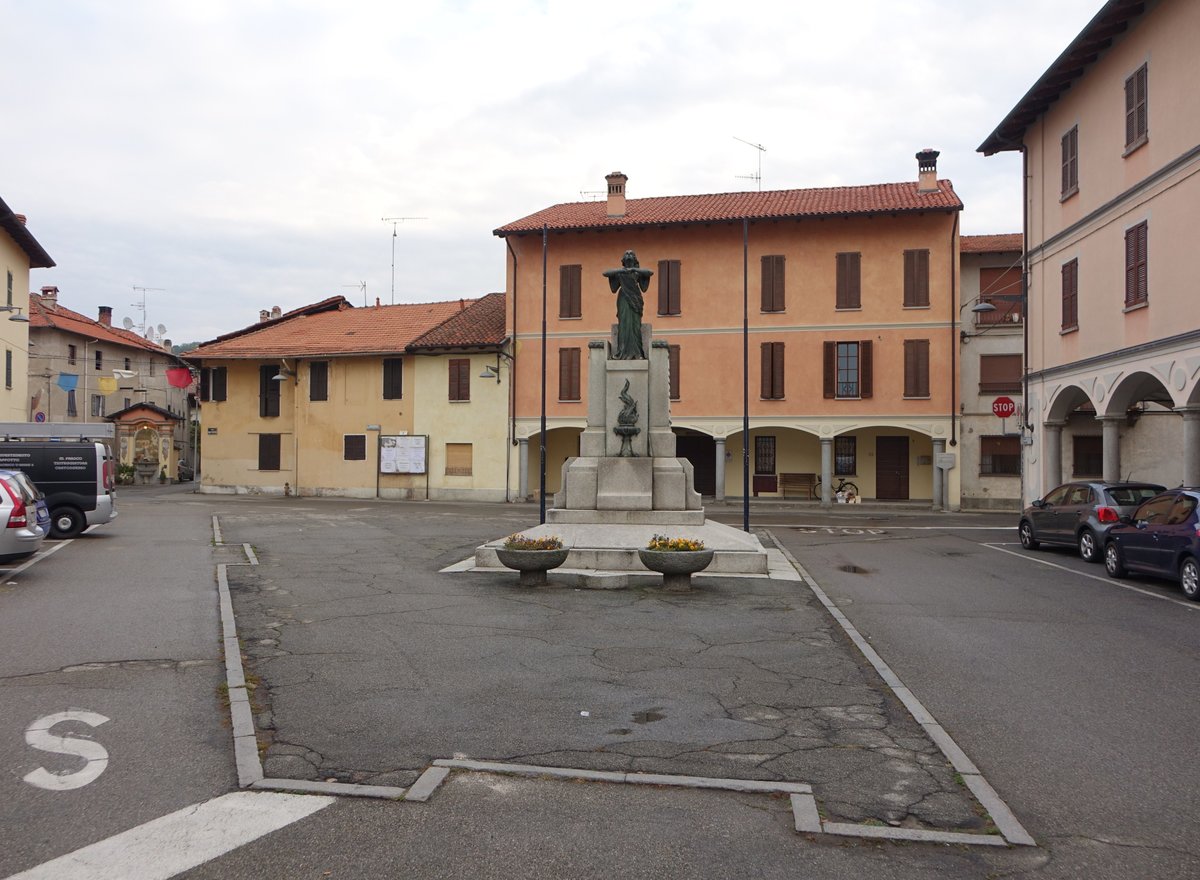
<point x="337" y="330"/>
<point x="990" y="244"/>
<point x="480" y="324"/>
<point x="59" y="317"/>
<point x="773" y="204"/>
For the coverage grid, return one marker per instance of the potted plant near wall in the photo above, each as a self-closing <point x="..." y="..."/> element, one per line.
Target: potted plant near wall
<point x="532" y="557"/>
<point x="677" y="559"/>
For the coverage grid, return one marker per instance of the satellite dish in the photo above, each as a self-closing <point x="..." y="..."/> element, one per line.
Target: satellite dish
<point x="161" y="329"/>
<point x="128" y="323"/>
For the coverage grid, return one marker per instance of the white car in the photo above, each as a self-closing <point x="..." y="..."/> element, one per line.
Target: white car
<point x="25" y="517"/>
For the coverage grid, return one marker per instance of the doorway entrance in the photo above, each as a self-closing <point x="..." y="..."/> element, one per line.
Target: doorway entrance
<point x="891" y="468"/>
<point x="701" y="451"/>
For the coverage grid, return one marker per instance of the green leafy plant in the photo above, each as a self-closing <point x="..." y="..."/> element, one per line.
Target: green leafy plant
<point x="520" y="542"/>
<point x="662" y="542"/>
<point x="125" y="474"/>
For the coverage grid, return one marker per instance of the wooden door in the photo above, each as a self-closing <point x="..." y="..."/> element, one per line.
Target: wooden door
<point x="891" y="468"/>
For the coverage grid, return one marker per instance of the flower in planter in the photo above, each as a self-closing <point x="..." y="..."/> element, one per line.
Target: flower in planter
<point x="662" y="542"/>
<point x="520" y="542"/>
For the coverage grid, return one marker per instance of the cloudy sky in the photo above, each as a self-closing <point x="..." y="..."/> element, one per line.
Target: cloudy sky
<point x="240" y="154"/>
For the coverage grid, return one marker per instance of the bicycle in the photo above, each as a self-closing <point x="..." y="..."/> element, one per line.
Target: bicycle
<point x="842" y="486"/>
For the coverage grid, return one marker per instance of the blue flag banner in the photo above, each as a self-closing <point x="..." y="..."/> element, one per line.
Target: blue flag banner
<point x="68" y="381"/>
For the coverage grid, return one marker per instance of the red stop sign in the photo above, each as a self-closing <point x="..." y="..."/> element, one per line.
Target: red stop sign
<point x="1004" y="407"/>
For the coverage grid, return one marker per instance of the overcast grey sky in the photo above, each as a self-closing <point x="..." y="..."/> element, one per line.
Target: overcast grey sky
<point x="239" y="154"/>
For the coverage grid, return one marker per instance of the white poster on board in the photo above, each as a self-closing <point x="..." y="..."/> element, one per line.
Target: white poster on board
<point x="402" y="454"/>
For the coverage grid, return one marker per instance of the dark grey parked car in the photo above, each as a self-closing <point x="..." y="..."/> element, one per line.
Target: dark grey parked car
<point x="1162" y="537"/>
<point x="1080" y="514"/>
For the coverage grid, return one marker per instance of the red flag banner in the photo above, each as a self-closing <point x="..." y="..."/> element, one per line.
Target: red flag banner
<point x="179" y="377"/>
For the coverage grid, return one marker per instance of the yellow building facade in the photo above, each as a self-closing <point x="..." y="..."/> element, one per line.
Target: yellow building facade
<point x="287" y="409"/>
<point x="19" y="252"/>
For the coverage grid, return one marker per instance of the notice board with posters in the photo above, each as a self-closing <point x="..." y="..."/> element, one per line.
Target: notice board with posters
<point x="402" y="453"/>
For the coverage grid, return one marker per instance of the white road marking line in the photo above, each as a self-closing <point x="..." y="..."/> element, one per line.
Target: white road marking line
<point x="178" y="842"/>
<point x="887" y="528"/>
<point x="1190" y="606"/>
<point x="38" y="557"/>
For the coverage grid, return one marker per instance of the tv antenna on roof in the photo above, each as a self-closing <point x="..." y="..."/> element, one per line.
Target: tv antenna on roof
<point x="362" y="285"/>
<point x="757" y="176"/>
<point x="395" y="221"/>
<point x="592" y="195"/>
<point x="142" y="305"/>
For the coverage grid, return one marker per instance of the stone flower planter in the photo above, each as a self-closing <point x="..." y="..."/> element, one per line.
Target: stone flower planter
<point x="532" y="564"/>
<point x="676" y="566"/>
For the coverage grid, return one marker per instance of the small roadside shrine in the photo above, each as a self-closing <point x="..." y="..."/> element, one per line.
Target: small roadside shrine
<point x="145" y="441"/>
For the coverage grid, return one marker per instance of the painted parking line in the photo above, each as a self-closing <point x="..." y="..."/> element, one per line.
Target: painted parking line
<point x="888" y="528"/>
<point x="180" y="841"/>
<point x="36" y="558"/>
<point x="1190" y="606"/>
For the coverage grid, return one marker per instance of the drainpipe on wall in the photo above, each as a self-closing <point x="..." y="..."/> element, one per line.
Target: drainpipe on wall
<point x="512" y="374"/>
<point x="1025" y="425"/>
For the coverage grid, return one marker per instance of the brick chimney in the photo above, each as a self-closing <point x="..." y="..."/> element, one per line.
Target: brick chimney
<point x="50" y="295"/>
<point x="616" y="194"/>
<point x="105" y="317"/>
<point x="264" y="315"/>
<point x="276" y="312"/>
<point x="927" y="170"/>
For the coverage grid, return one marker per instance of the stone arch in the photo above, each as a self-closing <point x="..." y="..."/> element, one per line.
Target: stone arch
<point x="1067" y="400"/>
<point x="1137" y="387"/>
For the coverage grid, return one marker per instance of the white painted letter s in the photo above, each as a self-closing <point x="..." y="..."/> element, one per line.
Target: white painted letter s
<point x="39" y="736"/>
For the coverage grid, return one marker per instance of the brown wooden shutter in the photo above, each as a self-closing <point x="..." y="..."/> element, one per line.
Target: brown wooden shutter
<point x="460" y="379"/>
<point x="916" y="278"/>
<point x="220" y="383"/>
<point x="568" y="374"/>
<point x="916" y="368"/>
<point x="766" y="370"/>
<point x="768" y="284"/>
<point x="829" y="371"/>
<point x="673" y="367"/>
<point x="1130" y="110"/>
<point x="842" y="296"/>
<point x="318" y="380"/>
<point x="922" y="278"/>
<point x="999" y="372"/>
<point x="268" y="452"/>
<point x="1070" y="294"/>
<point x="668" y="287"/>
<point x="1142" y="260"/>
<point x="777" y="370"/>
<point x="205" y="380"/>
<point x="865" y="369"/>
<point x="570" y="280"/>
<point x="268" y="391"/>
<point x="849" y="280"/>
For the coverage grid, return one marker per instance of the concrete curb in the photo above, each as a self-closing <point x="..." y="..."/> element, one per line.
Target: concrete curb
<point x="1006" y="821"/>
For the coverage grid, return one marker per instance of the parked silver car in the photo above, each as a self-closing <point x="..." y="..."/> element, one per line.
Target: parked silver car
<point x="1081" y="514"/>
<point x="25" y="517"/>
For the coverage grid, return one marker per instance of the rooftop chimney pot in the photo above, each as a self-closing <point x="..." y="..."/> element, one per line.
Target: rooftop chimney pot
<point x="105" y="316"/>
<point x="276" y="312"/>
<point x="264" y="315"/>
<point x="616" y="193"/>
<point x="927" y="170"/>
<point x="50" y="295"/>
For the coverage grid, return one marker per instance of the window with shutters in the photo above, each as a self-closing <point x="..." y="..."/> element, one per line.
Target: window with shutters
<point x="72" y="410"/>
<point x="128" y="364"/>
<point x="1088" y="457"/>
<point x="220" y="383"/>
<point x="668" y="287"/>
<point x="847" y="370"/>
<point x="1070" y="163"/>
<point x="1000" y="455"/>
<point x="999" y="372"/>
<point x="570" y="286"/>
<point x="772" y="283"/>
<point x="99" y="360"/>
<point x="849" y="281"/>
<point x="10" y="289"/>
<point x="8" y="368"/>
<point x="354" y="447"/>
<point x="318" y="380"/>
<point x="97" y="405"/>
<point x="129" y="402"/>
<point x="772" y="371"/>
<point x="268" y="391"/>
<point x="764" y="455"/>
<point x="205" y="383"/>
<point x="1137" y="124"/>
<point x="1070" y="295"/>
<point x="71" y="354"/>
<point x="460" y="379"/>
<point x="268" y="452"/>
<point x="458" y="459"/>
<point x="393" y="378"/>
<point x="916" y="368"/>
<point x="916" y="279"/>
<point x="1001" y="287"/>
<point x="1136" y="239"/>
<point x="845" y="456"/>
<point x="568" y="374"/>
<point x="673" y="369"/>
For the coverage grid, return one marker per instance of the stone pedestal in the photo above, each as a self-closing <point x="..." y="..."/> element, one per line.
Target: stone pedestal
<point x="652" y="478"/>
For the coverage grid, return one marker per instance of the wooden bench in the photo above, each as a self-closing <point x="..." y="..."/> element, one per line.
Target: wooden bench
<point x="797" y="485"/>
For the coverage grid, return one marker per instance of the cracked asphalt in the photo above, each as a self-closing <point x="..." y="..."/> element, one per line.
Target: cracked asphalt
<point x="369" y="664"/>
